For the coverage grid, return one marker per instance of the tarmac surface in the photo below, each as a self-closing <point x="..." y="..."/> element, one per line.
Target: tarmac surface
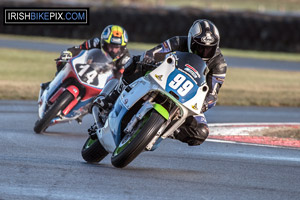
<point x="49" y="166"/>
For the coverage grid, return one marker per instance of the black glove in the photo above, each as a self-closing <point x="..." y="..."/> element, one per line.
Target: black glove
<point x="148" y="60"/>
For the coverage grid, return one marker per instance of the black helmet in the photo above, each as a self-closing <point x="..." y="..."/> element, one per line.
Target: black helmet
<point x="114" y="40"/>
<point x="203" y="39"/>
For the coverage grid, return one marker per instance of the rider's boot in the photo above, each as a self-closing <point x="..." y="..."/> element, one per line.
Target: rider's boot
<point x="109" y="94"/>
<point x="103" y="105"/>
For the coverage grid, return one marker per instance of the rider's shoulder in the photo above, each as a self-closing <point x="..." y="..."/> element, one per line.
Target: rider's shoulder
<point x="178" y="39"/>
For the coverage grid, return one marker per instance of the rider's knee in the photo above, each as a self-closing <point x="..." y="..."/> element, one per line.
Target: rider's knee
<point x="201" y="135"/>
<point x="193" y="135"/>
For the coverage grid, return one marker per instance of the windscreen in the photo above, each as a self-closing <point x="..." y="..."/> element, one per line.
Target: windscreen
<point x="193" y="65"/>
<point x="99" y="60"/>
<point x="93" y="67"/>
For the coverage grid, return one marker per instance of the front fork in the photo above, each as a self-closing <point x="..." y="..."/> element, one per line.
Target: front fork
<point x="161" y="134"/>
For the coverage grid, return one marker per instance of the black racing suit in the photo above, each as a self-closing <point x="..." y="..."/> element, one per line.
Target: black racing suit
<point x="195" y="130"/>
<point x="119" y="61"/>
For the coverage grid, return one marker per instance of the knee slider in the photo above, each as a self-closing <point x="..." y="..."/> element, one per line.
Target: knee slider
<point x="199" y="136"/>
<point x="203" y="131"/>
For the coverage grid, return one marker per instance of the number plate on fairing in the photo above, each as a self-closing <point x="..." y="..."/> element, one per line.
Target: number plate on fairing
<point x="88" y="75"/>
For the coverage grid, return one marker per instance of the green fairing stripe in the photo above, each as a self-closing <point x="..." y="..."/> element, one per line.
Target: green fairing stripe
<point x="161" y="110"/>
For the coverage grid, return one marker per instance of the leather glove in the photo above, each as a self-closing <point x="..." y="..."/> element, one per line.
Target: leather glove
<point x="147" y="59"/>
<point x="66" y="55"/>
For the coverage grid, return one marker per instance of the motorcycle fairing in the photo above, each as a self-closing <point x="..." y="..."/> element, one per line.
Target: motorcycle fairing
<point x="157" y="80"/>
<point x="109" y="135"/>
<point x="53" y="86"/>
<point x="66" y="73"/>
<point x="173" y="79"/>
<point x="86" y="74"/>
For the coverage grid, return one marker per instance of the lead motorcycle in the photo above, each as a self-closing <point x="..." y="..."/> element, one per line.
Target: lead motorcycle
<point x="148" y="110"/>
<point x="73" y="89"/>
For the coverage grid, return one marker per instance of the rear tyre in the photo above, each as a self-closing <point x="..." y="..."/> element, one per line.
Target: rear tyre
<point x="93" y="151"/>
<point x="61" y="103"/>
<point x="132" y="146"/>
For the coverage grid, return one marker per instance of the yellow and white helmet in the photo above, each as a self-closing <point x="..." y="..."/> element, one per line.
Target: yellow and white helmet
<point x="114" y="39"/>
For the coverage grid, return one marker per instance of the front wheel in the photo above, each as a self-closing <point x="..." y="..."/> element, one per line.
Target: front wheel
<point x="62" y="101"/>
<point x="93" y="151"/>
<point x="132" y="145"/>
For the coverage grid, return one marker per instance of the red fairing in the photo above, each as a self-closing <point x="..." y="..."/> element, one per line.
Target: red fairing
<point x="70" y="106"/>
<point x="73" y="90"/>
<point x="90" y="92"/>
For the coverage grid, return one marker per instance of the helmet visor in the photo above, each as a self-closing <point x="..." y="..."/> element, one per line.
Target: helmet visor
<point x="203" y="51"/>
<point x="114" y="50"/>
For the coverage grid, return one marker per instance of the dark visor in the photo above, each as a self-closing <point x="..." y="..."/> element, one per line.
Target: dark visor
<point x="203" y="51"/>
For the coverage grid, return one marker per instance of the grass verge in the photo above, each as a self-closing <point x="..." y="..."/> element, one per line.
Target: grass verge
<point x="260" y="87"/>
<point x="22" y="71"/>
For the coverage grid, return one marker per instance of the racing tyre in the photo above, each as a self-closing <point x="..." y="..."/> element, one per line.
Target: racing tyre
<point x="132" y="145"/>
<point x="61" y="103"/>
<point x="93" y="151"/>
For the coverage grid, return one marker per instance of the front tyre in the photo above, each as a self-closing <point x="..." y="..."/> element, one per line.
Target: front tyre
<point x="92" y="151"/>
<point x="61" y="103"/>
<point x="130" y="147"/>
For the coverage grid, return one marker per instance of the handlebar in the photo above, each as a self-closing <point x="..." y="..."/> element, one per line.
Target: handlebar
<point x="146" y="66"/>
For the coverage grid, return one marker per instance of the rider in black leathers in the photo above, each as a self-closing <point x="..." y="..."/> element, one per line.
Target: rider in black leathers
<point x="203" y="39"/>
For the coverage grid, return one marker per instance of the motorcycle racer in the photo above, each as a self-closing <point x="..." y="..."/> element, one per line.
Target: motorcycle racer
<point x="113" y="41"/>
<point x="203" y="40"/>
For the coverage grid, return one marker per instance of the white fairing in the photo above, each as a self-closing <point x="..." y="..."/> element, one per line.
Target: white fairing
<point x="157" y="80"/>
<point x="105" y="137"/>
<point x="161" y="74"/>
<point x="195" y="104"/>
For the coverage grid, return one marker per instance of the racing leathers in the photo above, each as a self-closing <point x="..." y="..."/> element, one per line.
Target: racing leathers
<point x="195" y="130"/>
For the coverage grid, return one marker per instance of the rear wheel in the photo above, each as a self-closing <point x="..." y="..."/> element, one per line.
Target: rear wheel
<point x="134" y="143"/>
<point x="93" y="151"/>
<point x="61" y="102"/>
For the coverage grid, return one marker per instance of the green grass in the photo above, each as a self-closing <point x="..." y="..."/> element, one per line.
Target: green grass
<point x="22" y="71"/>
<point x="260" y="87"/>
